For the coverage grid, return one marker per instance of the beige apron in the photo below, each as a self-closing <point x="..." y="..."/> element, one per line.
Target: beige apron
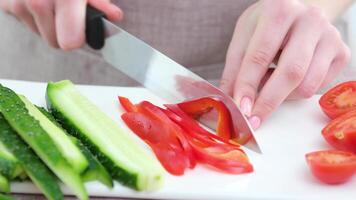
<point x="195" y="33"/>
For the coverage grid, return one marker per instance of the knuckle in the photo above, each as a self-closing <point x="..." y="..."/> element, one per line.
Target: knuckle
<point x="18" y="8"/>
<point x="346" y="54"/>
<point x="294" y="72"/>
<point x="333" y="34"/>
<point x="38" y="6"/>
<point x="267" y="105"/>
<point x="307" y="90"/>
<point x="260" y="57"/>
<point x="316" y="12"/>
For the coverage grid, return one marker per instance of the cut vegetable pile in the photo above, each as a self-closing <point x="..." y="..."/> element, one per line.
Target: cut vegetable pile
<point x="75" y="142"/>
<point x="337" y="166"/>
<point x="179" y="142"/>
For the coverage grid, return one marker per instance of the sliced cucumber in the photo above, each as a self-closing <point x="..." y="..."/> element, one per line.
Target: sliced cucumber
<point x="31" y="131"/>
<point x="6" y="197"/>
<point x="68" y="149"/>
<point x="95" y="170"/>
<point x="9" y="165"/>
<point x="126" y="161"/>
<point x="4" y="184"/>
<point x="34" y="167"/>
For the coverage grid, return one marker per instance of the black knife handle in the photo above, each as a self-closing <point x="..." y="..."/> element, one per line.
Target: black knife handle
<point x="94" y="31"/>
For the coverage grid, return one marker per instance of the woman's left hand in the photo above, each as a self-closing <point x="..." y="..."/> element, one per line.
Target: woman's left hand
<point x="309" y="48"/>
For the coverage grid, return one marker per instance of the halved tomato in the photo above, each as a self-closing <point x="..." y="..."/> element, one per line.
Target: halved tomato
<point x="332" y="166"/>
<point x="341" y="132"/>
<point x="339" y="100"/>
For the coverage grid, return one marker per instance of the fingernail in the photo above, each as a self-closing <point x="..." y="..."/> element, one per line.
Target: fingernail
<point x="246" y="106"/>
<point x="255" y="122"/>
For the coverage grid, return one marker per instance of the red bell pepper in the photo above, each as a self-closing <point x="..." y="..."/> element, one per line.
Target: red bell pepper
<point x="179" y="141"/>
<point x="195" y="108"/>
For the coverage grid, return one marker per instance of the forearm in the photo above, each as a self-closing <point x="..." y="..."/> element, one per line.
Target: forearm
<point x="332" y="8"/>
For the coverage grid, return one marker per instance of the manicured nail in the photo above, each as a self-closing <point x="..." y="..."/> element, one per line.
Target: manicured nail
<point x="255" y="122"/>
<point x="246" y="106"/>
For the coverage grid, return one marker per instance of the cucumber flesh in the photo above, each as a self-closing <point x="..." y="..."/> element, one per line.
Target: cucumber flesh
<point x="4" y="184"/>
<point x="69" y="150"/>
<point x="126" y="161"/>
<point x="34" y="167"/>
<point x="31" y="131"/>
<point x="95" y="171"/>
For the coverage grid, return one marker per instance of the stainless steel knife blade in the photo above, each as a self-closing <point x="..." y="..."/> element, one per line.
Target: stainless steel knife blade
<point x="164" y="77"/>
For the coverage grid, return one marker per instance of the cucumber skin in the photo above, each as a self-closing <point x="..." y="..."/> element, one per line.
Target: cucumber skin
<point x="66" y="147"/>
<point x="4" y="184"/>
<point x="94" y="165"/>
<point x="33" y="166"/>
<point x="95" y="171"/>
<point x="8" y="167"/>
<point x="117" y="173"/>
<point x="30" y="130"/>
<point x="6" y="197"/>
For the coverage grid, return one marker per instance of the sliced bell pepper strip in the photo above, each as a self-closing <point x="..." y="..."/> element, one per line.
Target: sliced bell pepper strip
<point x="228" y="160"/>
<point x="167" y="149"/>
<point x="191" y="126"/>
<point x="127" y="104"/>
<point x="195" y="108"/>
<point x="156" y="113"/>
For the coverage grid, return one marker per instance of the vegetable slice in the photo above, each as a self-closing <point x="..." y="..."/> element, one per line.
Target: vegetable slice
<point x="332" y="166"/>
<point x="339" y="100"/>
<point x="177" y="139"/>
<point x="95" y="171"/>
<point x="43" y="178"/>
<point x="9" y="165"/>
<point x="31" y="131"/>
<point x="125" y="160"/>
<point x="68" y="149"/>
<point x="4" y="184"/>
<point x="341" y="132"/>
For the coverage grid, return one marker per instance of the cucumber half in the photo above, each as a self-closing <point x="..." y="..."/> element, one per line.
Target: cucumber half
<point x="126" y="161"/>
<point x="36" y="136"/>
<point x="33" y="166"/>
<point x="68" y="149"/>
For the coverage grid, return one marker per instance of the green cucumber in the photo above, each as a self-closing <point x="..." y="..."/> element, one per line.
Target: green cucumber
<point x="126" y="161"/>
<point x="9" y="165"/>
<point x="95" y="170"/>
<point x="6" y="197"/>
<point x="68" y="149"/>
<point x="36" y="136"/>
<point x="4" y="184"/>
<point x="34" y="167"/>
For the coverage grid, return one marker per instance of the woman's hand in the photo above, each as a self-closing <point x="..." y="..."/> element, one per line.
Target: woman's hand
<point x="309" y="51"/>
<point x="60" y="22"/>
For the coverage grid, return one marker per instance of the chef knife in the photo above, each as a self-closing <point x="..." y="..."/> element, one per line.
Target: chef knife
<point x="157" y="72"/>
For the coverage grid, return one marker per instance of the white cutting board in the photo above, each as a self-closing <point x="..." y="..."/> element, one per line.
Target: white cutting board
<point x="280" y="172"/>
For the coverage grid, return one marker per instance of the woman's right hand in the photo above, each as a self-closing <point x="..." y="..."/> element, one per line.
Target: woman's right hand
<point x="60" y="22"/>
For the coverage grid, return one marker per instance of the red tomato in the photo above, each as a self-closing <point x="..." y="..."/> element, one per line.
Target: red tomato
<point x="339" y="100"/>
<point x="332" y="166"/>
<point x="341" y="132"/>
